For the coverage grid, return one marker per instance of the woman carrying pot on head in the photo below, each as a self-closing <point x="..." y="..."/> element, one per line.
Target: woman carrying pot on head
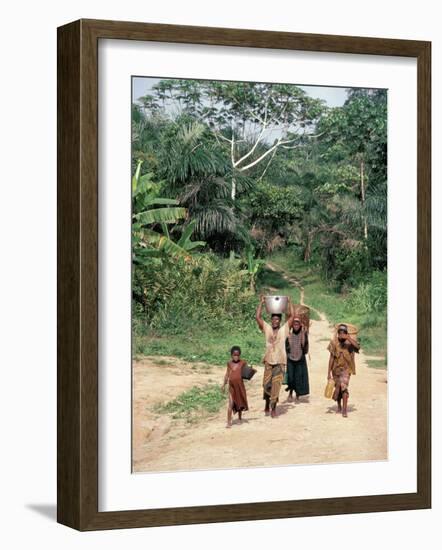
<point x="297" y="372"/>
<point x="275" y="357"/>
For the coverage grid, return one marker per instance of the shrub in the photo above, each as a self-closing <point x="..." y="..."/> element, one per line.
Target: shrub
<point x="170" y="293"/>
<point x="370" y="296"/>
<point x="341" y="265"/>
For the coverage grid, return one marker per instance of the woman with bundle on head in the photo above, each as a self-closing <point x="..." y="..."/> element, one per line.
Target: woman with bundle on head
<point x="341" y="364"/>
<point x="297" y="349"/>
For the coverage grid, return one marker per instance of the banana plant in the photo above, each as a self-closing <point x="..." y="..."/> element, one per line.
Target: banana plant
<point x="185" y="241"/>
<point x="253" y="266"/>
<point x="152" y="210"/>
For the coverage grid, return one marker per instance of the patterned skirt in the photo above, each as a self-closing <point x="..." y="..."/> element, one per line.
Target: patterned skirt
<point x="272" y="381"/>
<point x="341" y="377"/>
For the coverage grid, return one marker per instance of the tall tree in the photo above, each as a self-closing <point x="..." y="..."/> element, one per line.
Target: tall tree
<point x="198" y="174"/>
<point x="250" y="121"/>
<point x="358" y="131"/>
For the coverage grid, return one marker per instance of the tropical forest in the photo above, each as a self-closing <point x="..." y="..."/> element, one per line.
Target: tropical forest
<point x="241" y="189"/>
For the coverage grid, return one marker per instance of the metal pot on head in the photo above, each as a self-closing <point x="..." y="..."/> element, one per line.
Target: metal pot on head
<point x="276" y="304"/>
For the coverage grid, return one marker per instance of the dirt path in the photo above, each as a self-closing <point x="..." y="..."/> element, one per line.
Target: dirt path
<point x="306" y="432"/>
<point x="291" y="280"/>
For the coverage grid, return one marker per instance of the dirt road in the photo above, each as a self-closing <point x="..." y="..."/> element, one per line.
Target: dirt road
<point x="304" y="433"/>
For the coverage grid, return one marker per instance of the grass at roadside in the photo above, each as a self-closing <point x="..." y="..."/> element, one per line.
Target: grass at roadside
<point x="211" y="342"/>
<point x="195" y="403"/>
<point x="204" y="343"/>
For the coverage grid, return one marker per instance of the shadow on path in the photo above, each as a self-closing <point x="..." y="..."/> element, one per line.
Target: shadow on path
<point x="333" y="409"/>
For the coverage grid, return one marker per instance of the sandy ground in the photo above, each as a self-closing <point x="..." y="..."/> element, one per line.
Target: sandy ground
<point x="308" y="432"/>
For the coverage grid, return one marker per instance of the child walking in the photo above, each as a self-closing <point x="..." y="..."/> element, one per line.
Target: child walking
<point x="237" y="390"/>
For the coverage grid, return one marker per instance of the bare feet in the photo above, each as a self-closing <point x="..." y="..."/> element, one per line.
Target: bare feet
<point x="344" y="413"/>
<point x="274" y="414"/>
<point x="339" y="410"/>
<point x="229" y="424"/>
<point x="289" y="399"/>
<point x="267" y="412"/>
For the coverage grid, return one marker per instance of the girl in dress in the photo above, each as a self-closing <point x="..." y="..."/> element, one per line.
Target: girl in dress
<point x="237" y="391"/>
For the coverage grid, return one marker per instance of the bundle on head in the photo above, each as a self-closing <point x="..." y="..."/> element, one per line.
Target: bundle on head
<point x="303" y="313"/>
<point x="352" y="330"/>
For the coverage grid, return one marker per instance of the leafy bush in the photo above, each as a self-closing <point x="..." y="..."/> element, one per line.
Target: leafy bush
<point x="276" y="204"/>
<point x="170" y="293"/>
<point x="371" y="295"/>
<point x="342" y="265"/>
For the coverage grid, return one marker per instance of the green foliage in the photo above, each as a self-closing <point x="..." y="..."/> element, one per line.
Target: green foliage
<point x="344" y="263"/>
<point x="271" y="280"/>
<point x="370" y="296"/>
<point x="193" y="289"/>
<point x="195" y="403"/>
<point x="254" y="265"/>
<point x="236" y="166"/>
<point x="188" y="152"/>
<point x="185" y="241"/>
<point x="147" y="241"/>
<point x="360" y="126"/>
<point x="199" y="174"/>
<point x="275" y="205"/>
<point x="275" y="211"/>
<point x="339" y="179"/>
<point x="198" y="137"/>
<point x="209" y="342"/>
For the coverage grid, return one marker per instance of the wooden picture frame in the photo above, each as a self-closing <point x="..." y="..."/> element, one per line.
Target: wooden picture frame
<point x="77" y="462"/>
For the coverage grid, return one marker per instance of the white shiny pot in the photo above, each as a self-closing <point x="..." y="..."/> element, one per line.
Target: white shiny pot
<point x="276" y="304"/>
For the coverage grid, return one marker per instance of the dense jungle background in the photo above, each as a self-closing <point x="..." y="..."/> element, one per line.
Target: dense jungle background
<point x="242" y="188"/>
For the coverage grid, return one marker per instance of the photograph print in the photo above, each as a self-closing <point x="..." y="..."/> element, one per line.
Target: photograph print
<point x="259" y="274"/>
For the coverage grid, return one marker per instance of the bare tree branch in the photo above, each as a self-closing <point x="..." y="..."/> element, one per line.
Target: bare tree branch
<point x="252" y="150"/>
<point x="267" y="166"/>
